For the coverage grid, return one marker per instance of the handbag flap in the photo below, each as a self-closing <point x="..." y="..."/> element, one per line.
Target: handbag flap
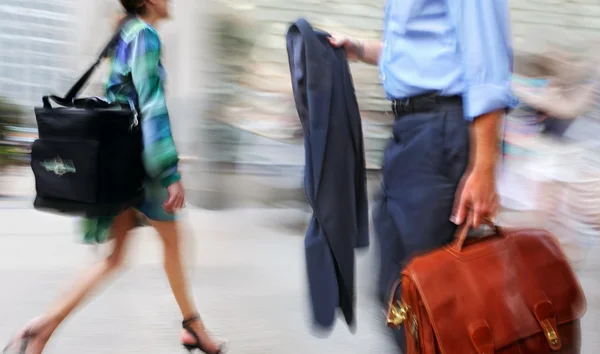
<point x="504" y="282"/>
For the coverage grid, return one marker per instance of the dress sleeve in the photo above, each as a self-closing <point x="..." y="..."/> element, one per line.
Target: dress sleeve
<point x="160" y="155"/>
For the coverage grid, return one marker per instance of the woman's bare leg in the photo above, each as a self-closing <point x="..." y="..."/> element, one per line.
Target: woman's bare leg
<point x="41" y="328"/>
<point x="173" y="265"/>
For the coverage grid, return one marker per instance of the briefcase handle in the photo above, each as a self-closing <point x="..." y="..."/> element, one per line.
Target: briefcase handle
<point x="463" y="231"/>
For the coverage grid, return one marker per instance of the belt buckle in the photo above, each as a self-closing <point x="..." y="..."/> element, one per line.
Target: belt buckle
<point x="400" y="105"/>
<point x="434" y="97"/>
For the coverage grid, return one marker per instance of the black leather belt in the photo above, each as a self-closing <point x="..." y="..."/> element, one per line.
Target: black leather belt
<point x="424" y="103"/>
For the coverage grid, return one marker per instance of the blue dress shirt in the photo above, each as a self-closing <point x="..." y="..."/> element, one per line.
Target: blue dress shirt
<point x="451" y="47"/>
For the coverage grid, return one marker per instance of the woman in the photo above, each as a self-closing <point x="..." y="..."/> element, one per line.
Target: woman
<point x="136" y="75"/>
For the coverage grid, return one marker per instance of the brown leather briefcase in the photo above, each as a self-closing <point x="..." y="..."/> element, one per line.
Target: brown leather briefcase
<point x="513" y="292"/>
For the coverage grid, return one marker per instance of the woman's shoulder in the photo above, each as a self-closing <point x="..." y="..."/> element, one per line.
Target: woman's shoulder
<point x="136" y="28"/>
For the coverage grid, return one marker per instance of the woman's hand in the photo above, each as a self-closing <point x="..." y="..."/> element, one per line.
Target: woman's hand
<point x="176" y="199"/>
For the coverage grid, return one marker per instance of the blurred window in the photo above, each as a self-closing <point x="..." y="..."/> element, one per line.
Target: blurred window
<point x="33" y="40"/>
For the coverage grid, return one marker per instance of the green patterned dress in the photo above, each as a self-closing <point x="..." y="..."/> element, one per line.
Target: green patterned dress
<point x="137" y="75"/>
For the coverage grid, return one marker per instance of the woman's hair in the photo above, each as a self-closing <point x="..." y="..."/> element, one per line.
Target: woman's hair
<point x="134" y="7"/>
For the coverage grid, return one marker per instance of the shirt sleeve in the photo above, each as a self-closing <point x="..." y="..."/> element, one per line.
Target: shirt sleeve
<point x="484" y="43"/>
<point x="160" y="155"/>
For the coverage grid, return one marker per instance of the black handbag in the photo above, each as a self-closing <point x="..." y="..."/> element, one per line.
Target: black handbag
<point x="88" y="158"/>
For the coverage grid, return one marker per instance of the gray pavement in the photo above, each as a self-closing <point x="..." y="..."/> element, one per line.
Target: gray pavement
<point x="247" y="271"/>
<point x="247" y="275"/>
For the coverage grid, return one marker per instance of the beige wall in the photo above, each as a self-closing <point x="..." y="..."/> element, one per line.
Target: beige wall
<point x="190" y="61"/>
<point x="548" y="19"/>
<point x="187" y="39"/>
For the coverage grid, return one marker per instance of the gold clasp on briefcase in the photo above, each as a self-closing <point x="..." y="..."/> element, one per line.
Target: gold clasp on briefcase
<point x="397" y="314"/>
<point x="414" y="330"/>
<point x="551" y="335"/>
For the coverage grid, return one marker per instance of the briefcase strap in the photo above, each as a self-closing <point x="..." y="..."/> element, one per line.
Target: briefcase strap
<point x="69" y="98"/>
<point x="463" y="231"/>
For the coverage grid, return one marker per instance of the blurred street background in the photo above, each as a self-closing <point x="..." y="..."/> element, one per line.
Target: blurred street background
<point x="240" y="141"/>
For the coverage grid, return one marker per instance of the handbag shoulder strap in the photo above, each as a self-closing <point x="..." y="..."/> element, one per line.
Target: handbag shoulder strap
<point x="108" y="50"/>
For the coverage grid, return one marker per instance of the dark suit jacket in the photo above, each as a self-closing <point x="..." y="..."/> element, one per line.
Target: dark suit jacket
<point x="335" y="176"/>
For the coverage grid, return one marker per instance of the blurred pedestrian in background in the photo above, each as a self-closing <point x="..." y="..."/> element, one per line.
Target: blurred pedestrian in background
<point x="137" y="76"/>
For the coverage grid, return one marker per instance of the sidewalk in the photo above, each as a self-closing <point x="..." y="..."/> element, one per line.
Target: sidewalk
<point x="247" y="270"/>
<point x="248" y="276"/>
<point x="16" y="183"/>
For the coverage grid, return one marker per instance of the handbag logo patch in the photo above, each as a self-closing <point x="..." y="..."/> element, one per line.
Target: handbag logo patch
<point x="58" y="166"/>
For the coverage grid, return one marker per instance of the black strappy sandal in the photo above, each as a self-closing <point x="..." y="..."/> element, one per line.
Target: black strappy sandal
<point x="198" y="345"/>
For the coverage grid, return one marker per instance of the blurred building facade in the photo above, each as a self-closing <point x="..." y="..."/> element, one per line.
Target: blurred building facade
<point x="35" y="44"/>
<point x="44" y="44"/>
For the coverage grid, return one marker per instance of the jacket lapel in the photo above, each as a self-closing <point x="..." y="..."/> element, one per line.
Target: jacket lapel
<point x="319" y="85"/>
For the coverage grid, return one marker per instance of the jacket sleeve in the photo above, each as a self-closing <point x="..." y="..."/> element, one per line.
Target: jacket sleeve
<point x="160" y="155"/>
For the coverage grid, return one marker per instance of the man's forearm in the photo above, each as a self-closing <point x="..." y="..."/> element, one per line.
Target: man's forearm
<point x="369" y="51"/>
<point x="484" y="142"/>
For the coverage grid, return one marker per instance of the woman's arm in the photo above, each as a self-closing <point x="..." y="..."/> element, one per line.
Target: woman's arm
<point x="160" y="154"/>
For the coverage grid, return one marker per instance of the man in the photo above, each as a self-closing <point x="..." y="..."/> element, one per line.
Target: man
<point x="446" y="66"/>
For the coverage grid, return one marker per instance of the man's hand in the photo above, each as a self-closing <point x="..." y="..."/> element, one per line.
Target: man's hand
<point x="477" y="192"/>
<point x="176" y="198"/>
<point x="352" y="47"/>
<point x="367" y="51"/>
